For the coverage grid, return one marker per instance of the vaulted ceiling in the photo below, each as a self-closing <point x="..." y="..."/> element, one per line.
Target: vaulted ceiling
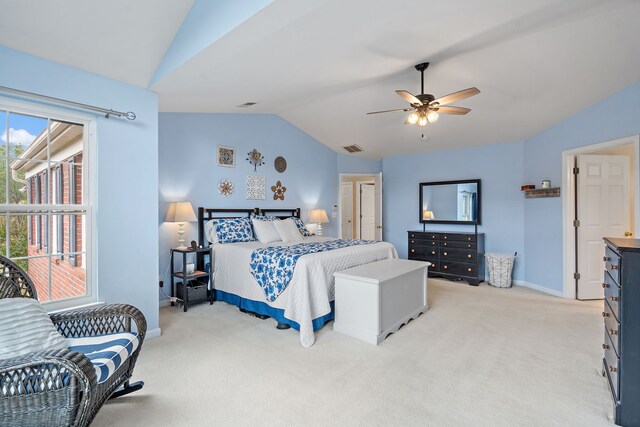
<point x="322" y="65"/>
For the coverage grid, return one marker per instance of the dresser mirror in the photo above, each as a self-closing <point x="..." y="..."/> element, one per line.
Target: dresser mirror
<point x="450" y="202"/>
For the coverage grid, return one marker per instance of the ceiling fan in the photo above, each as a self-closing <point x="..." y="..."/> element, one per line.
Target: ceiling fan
<point x="425" y="107"/>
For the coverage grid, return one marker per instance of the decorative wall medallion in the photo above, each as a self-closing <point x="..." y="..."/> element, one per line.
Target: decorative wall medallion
<point x="226" y="156"/>
<point x="256" y="187"/>
<point x="278" y="191"/>
<point x="255" y="158"/>
<point x="225" y="187"/>
<point x="280" y="163"/>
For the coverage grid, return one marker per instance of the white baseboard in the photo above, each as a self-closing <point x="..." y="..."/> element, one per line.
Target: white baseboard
<point x="539" y="288"/>
<point x="164" y="303"/>
<point x="153" y="333"/>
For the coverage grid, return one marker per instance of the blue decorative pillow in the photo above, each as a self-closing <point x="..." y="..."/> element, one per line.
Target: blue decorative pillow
<point x="234" y="230"/>
<point x="301" y="227"/>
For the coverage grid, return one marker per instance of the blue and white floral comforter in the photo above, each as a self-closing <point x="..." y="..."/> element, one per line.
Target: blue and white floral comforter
<point x="273" y="267"/>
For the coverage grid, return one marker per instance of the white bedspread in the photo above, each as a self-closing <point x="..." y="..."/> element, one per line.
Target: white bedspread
<point x="312" y="286"/>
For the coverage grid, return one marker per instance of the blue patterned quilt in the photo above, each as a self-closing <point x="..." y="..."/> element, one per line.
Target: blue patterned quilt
<point x="273" y="267"/>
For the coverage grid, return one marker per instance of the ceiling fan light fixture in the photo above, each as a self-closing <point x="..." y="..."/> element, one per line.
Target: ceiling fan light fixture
<point x="413" y="118"/>
<point x="432" y="116"/>
<point x="423" y="121"/>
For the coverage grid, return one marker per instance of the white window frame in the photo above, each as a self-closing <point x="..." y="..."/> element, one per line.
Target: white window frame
<point x="89" y="184"/>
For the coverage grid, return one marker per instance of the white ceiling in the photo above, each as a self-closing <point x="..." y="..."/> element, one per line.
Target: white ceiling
<point x="323" y="64"/>
<point x="121" y="39"/>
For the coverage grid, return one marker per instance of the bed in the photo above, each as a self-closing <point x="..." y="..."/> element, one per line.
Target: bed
<point x="306" y="304"/>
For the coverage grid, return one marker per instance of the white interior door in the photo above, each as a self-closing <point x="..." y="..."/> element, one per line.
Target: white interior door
<point x="346" y="222"/>
<point x="367" y="212"/>
<point x="603" y="211"/>
<point x="378" y="206"/>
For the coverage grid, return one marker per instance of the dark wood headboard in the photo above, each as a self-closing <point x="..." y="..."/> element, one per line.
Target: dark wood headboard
<point x="207" y="214"/>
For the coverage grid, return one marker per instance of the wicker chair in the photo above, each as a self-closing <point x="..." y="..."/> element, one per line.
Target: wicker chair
<point x="60" y="388"/>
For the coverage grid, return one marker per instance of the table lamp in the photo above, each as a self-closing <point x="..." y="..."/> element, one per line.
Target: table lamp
<point x="428" y="215"/>
<point x="318" y="216"/>
<point x="181" y="212"/>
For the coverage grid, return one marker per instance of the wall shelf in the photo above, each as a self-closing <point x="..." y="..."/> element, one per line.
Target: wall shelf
<point x="539" y="193"/>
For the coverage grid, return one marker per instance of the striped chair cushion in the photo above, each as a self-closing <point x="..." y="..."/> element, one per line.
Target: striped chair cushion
<point x="106" y="352"/>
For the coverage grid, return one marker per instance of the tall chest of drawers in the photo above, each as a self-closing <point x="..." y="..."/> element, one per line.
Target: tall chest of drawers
<point x="457" y="256"/>
<point x="621" y="361"/>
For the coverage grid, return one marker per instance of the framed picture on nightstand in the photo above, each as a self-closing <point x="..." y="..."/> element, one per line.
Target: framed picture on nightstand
<point x="226" y="156"/>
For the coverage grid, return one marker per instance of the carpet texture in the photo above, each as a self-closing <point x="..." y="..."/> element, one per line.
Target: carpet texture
<point x="480" y="356"/>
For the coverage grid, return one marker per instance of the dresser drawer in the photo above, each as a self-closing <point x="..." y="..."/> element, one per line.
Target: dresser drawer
<point x="612" y="264"/>
<point x="424" y="236"/>
<point x="431" y="251"/>
<point x="453" y="254"/>
<point x="458" y="244"/>
<point x="612" y="326"/>
<point x="424" y="242"/>
<point x="458" y="268"/>
<point x="612" y="294"/>
<point x="458" y="237"/>
<point x="612" y="366"/>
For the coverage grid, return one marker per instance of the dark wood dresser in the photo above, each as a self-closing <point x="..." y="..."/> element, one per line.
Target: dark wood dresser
<point x="456" y="256"/>
<point x="621" y="362"/>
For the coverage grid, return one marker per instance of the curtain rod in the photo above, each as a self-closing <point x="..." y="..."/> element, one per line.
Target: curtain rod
<point x="106" y="111"/>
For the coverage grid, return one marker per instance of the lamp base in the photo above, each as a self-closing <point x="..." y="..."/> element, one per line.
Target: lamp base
<point x="319" y="230"/>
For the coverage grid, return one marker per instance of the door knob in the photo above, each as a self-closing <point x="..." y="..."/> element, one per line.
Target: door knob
<point x="628" y="233"/>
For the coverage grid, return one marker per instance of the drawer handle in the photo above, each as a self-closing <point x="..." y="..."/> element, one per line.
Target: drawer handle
<point x="469" y="238"/>
<point x="445" y="254"/>
<point x="612" y="369"/>
<point x="413" y="250"/>
<point x="614" y="299"/>
<point x="433" y="237"/>
<point x="469" y="256"/>
<point x="433" y="252"/>
<point x="469" y="269"/>
<point x="468" y="246"/>
<point x="605" y="285"/>
<point x="605" y="347"/>
<point x="413" y="241"/>
<point x="445" y="237"/>
<point x="605" y="314"/>
<point x="613" y="267"/>
<point x="613" y="332"/>
<point x="446" y="266"/>
<point x="445" y="244"/>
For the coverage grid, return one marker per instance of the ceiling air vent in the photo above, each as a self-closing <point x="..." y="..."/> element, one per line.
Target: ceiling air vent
<point x="353" y="148"/>
<point x="246" y="105"/>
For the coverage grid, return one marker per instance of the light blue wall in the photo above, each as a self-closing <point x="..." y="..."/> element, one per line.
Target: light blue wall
<point x="612" y="118"/>
<point x="500" y="169"/>
<point x="188" y="143"/>
<point x="352" y="164"/>
<point x="127" y="174"/>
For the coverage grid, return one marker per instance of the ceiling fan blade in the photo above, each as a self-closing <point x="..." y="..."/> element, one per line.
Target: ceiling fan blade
<point x="389" y="111"/>
<point x="453" y="110"/>
<point x="456" y="96"/>
<point x="407" y="96"/>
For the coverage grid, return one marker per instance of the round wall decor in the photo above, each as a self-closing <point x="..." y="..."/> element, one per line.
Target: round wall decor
<point x="225" y="187"/>
<point x="280" y="163"/>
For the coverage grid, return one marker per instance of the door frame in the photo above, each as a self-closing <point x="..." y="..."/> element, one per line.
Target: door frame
<point x="568" y="207"/>
<point x="359" y="205"/>
<point x="352" y="175"/>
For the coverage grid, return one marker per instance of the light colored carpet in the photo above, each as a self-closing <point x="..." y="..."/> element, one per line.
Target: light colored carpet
<point x="480" y="357"/>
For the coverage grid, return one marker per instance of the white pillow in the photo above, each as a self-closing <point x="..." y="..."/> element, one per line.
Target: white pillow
<point x="25" y="327"/>
<point x="210" y="231"/>
<point x="265" y="231"/>
<point x="288" y="231"/>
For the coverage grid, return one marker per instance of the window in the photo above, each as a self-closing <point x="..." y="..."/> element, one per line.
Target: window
<point x="45" y="204"/>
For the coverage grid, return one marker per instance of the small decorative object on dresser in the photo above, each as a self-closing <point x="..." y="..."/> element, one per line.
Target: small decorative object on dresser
<point x="621" y="361"/>
<point x="456" y="256"/>
<point x="226" y="156"/>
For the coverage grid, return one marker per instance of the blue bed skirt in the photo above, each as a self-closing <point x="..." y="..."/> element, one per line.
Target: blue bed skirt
<point x="266" y="310"/>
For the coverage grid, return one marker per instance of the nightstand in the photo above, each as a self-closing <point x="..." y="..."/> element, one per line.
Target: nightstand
<point x="190" y="288"/>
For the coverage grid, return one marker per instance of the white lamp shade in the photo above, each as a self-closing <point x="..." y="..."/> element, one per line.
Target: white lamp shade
<point x="318" y="216"/>
<point x="181" y="212"/>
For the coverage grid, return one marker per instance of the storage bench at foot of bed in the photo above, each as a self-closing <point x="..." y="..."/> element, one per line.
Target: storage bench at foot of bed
<point x="375" y="300"/>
